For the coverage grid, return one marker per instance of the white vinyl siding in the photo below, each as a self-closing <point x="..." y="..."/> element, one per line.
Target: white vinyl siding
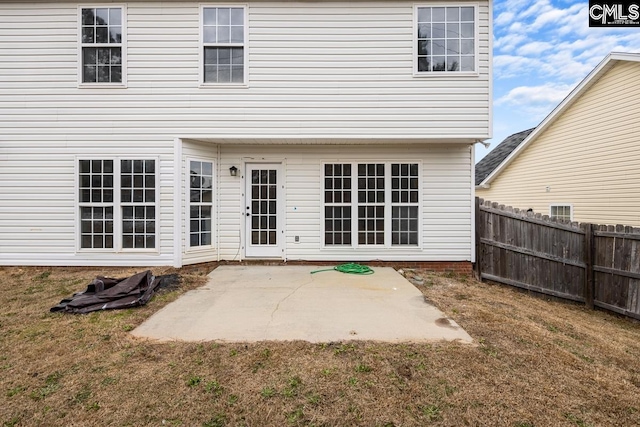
<point x="587" y="158"/>
<point x="319" y="73"/>
<point x="315" y="69"/>
<point x="39" y="212"/>
<point x="444" y="224"/>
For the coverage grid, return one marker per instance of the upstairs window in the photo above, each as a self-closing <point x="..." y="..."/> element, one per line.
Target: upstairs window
<point x="101" y="36"/>
<point x="223" y="49"/>
<point x="446" y="39"/>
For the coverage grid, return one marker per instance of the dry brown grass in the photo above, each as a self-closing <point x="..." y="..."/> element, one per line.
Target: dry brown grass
<point x="536" y="363"/>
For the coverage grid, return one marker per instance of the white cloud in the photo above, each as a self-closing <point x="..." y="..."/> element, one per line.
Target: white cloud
<point x="509" y="42"/>
<point x="536" y="9"/>
<point x="507" y="66"/>
<point x="544" y="48"/>
<point x="551" y="40"/>
<point x="533" y="48"/>
<point x="536" y="99"/>
<point x="504" y="18"/>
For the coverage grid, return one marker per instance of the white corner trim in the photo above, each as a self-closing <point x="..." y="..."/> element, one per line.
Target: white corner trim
<point x="472" y="160"/>
<point x="177" y="203"/>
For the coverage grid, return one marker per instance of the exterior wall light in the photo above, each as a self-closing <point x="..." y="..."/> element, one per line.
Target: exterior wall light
<point x="233" y="171"/>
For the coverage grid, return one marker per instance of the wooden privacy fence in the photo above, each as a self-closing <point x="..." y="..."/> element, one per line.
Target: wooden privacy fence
<point x="598" y="265"/>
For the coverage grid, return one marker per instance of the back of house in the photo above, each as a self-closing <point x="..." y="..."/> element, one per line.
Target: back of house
<point x="177" y="132"/>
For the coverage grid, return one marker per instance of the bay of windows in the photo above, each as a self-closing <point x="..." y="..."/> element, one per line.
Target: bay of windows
<point x="371" y="204"/>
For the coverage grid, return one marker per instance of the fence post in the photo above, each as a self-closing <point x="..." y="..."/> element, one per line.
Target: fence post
<point x="478" y="267"/>
<point x="588" y="261"/>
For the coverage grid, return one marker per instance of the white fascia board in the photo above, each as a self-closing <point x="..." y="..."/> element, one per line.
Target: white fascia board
<point x="582" y="87"/>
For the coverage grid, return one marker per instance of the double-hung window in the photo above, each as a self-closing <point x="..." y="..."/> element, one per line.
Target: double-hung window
<point x="96" y="200"/>
<point x="371" y="204"/>
<point x="101" y="41"/>
<point x="117" y="203"/>
<point x="337" y="204"/>
<point x="446" y="39"/>
<point x="223" y="45"/>
<point x="138" y="201"/>
<point x="404" y="203"/>
<point x="200" y="203"/>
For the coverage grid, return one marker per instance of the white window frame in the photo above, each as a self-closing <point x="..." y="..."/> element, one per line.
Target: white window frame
<point x="187" y="198"/>
<point x="561" y="205"/>
<point x="414" y="41"/>
<point x="388" y="204"/>
<point x="244" y="45"/>
<point x="122" y="45"/>
<point x="117" y="206"/>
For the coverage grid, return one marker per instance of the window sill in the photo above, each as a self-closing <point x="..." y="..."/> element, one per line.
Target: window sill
<point x="451" y="74"/>
<point x="111" y="251"/>
<point x="372" y="248"/>
<point x="224" y="86"/>
<point x="102" y="86"/>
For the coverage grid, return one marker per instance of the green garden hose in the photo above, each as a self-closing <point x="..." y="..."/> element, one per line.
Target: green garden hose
<point x="350" y="268"/>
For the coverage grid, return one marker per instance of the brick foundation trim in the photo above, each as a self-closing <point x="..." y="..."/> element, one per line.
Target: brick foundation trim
<point x="458" y="267"/>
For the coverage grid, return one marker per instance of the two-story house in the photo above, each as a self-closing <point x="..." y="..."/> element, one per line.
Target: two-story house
<point x="176" y="132"/>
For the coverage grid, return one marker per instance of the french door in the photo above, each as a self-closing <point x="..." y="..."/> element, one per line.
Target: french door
<point x="263" y="210"/>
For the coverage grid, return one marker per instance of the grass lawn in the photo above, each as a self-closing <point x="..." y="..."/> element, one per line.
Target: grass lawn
<point x="535" y="363"/>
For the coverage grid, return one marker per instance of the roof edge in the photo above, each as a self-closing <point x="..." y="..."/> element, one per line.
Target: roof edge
<point x="582" y="87"/>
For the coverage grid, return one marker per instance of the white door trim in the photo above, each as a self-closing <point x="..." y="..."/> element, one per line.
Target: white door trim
<point x="262" y="240"/>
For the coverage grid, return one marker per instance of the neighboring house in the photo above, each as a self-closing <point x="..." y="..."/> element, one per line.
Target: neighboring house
<point x="582" y="162"/>
<point x="177" y="132"/>
<point x="496" y="156"/>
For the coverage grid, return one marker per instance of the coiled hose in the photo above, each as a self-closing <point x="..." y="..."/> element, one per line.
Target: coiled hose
<point x="349" y="268"/>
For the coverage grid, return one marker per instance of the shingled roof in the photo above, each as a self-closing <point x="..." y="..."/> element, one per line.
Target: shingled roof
<point x="491" y="161"/>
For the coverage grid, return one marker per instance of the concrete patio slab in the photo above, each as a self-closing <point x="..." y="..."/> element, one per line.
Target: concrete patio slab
<point x="285" y="303"/>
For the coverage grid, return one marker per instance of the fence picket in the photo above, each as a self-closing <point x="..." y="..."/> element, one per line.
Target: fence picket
<point x="595" y="264"/>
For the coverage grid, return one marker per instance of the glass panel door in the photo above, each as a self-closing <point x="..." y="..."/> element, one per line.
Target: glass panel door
<point x="263" y="232"/>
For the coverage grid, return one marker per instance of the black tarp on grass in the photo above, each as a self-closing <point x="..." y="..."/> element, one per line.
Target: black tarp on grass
<point x="106" y="293"/>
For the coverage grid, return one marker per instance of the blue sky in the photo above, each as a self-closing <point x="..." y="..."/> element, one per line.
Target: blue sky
<point x="541" y="50"/>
